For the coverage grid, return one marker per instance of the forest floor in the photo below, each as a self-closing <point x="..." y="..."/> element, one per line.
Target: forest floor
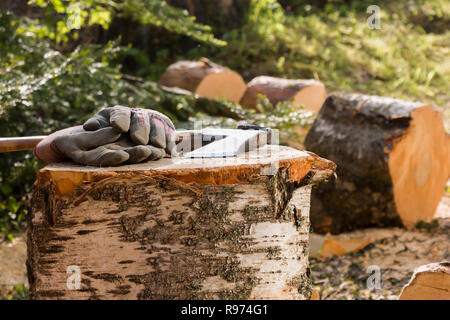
<point x="13" y="271"/>
<point x="397" y="252"/>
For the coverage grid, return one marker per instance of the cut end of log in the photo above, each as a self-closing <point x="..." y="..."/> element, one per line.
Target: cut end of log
<point x="309" y="93"/>
<point x="417" y="165"/>
<point x="429" y="282"/>
<point x="226" y="84"/>
<point x="215" y="171"/>
<point x="326" y="246"/>
<point x="311" y="97"/>
<point x="392" y="162"/>
<point x="205" y="78"/>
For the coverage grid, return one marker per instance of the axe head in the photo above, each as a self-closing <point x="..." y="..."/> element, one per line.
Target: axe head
<point x="220" y="143"/>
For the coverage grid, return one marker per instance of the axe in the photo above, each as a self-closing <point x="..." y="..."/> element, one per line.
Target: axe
<point x="204" y="143"/>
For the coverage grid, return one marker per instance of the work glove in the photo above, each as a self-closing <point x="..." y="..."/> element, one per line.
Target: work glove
<point x="144" y="126"/>
<point x="105" y="147"/>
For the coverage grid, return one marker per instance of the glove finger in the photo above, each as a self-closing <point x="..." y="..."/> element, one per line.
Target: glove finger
<point x="138" y="153"/>
<point x="120" y="117"/>
<point x="98" y="121"/>
<point x="157" y="132"/>
<point x="100" y="156"/>
<point x="140" y="127"/>
<point x="171" y="147"/>
<point x="156" y="153"/>
<point x="92" y="139"/>
<point x="163" y="117"/>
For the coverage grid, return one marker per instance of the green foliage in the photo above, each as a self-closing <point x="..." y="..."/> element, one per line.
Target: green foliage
<point x="19" y="292"/>
<point x="43" y="90"/>
<point x="159" y="13"/>
<point x="430" y="227"/>
<point x="332" y="42"/>
<point x="65" y="17"/>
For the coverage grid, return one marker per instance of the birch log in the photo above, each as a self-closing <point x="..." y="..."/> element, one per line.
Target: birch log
<point x="232" y="228"/>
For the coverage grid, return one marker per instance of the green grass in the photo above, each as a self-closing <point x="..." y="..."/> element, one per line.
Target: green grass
<point x="19" y="292"/>
<point x="335" y="45"/>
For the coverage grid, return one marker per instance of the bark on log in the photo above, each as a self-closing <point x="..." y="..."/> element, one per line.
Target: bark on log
<point x="429" y="282"/>
<point x="204" y="78"/>
<point x="392" y="162"/>
<point x="176" y="228"/>
<point x="309" y="93"/>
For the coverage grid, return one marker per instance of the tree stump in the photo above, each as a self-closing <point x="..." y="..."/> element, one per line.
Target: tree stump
<point x="309" y="93"/>
<point x="392" y="162"/>
<point x="429" y="282"/>
<point x="204" y="78"/>
<point x="231" y="228"/>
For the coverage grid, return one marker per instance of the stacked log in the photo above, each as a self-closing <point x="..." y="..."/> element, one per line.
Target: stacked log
<point x="392" y="162"/>
<point x="309" y="93"/>
<point x="204" y="78"/>
<point x="232" y="228"/>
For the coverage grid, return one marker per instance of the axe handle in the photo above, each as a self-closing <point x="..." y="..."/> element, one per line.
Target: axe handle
<point x="28" y="143"/>
<point x="19" y="144"/>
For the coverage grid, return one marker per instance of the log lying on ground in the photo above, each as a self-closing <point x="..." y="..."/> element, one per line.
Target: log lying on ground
<point x="309" y="93"/>
<point x="199" y="104"/>
<point x="232" y="228"/>
<point x="204" y="78"/>
<point x="429" y="282"/>
<point x="392" y="162"/>
<point x="325" y="246"/>
<point x="169" y="99"/>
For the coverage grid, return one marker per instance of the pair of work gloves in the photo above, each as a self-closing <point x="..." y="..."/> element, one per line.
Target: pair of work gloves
<point x="113" y="136"/>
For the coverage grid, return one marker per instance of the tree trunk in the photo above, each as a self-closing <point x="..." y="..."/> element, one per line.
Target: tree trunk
<point x="309" y="93"/>
<point x="221" y="15"/>
<point x="392" y="162"/>
<point x="180" y="228"/>
<point x="205" y="78"/>
<point x="429" y="282"/>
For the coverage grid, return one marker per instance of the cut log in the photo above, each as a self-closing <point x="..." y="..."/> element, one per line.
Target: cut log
<point x="314" y="295"/>
<point x="232" y="228"/>
<point x="392" y="160"/>
<point x="325" y="246"/>
<point x="204" y="78"/>
<point x="309" y="93"/>
<point x="429" y="282"/>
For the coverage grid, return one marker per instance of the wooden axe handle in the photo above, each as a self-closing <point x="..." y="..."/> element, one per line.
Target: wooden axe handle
<point x="28" y="143"/>
<point x="19" y="144"/>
